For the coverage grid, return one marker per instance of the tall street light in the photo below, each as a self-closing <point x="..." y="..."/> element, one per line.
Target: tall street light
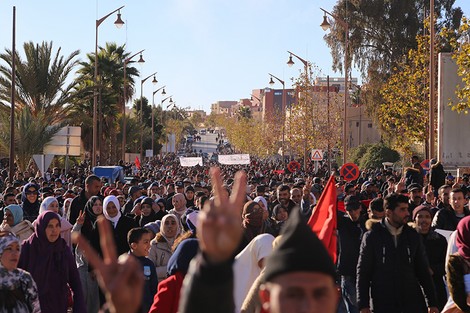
<point x="432" y="80"/>
<point x="119" y="22"/>
<point x="290" y="62"/>
<point x="283" y="109"/>
<point x="325" y="26"/>
<point x="12" y="95"/>
<point x="161" y="117"/>
<point x="153" y="115"/>
<point x="124" y="135"/>
<point x="154" y="81"/>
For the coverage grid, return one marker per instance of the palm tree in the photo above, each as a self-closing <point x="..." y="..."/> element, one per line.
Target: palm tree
<point x="40" y="80"/>
<point x="110" y="87"/>
<point x="32" y="133"/>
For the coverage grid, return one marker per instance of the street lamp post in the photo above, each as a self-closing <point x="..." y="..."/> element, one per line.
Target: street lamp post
<point x="119" y="22"/>
<point x="154" y="81"/>
<point x="326" y="25"/>
<point x="124" y="122"/>
<point x="161" y="117"/>
<point x="432" y="79"/>
<point x="153" y="115"/>
<point x="12" y="108"/>
<point x="283" y="110"/>
<point x="290" y="62"/>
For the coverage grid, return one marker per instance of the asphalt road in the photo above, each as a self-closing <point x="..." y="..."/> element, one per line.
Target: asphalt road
<point x="207" y="144"/>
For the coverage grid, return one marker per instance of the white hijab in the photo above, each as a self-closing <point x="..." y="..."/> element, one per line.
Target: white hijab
<point x="115" y="200"/>
<point x="46" y="203"/>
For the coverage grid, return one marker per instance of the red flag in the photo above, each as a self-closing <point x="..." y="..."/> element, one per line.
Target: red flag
<point x="137" y="162"/>
<point x="323" y="219"/>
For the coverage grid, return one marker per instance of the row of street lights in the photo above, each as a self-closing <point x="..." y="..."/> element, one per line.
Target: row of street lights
<point x="325" y="26"/>
<point x="119" y="23"/>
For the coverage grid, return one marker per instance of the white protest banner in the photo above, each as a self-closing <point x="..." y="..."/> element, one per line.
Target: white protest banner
<point x="187" y="162"/>
<point x="233" y="159"/>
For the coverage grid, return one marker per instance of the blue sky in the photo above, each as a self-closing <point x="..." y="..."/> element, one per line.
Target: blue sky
<point x="203" y="50"/>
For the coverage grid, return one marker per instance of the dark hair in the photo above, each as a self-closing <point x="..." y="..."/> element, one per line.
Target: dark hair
<point x="203" y="200"/>
<point x="455" y="190"/>
<point x="283" y="188"/>
<point x="441" y="189"/>
<point x="10" y="194"/>
<point x="135" y="234"/>
<point x="377" y="204"/>
<point x="90" y="179"/>
<point x="392" y="200"/>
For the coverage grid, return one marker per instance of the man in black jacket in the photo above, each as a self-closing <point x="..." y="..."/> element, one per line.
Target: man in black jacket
<point x="92" y="188"/>
<point x="448" y="218"/>
<point x="351" y="227"/>
<point x="393" y="270"/>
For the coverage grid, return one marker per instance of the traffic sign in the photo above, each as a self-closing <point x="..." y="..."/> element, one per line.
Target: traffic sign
<point x="293" y="166"/>
<point x="349" y="171"/>
<point x="317" y="155"/>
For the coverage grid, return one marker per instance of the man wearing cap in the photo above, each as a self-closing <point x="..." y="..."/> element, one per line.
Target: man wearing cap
<point x="393" y="271"/>
<point x="351" y="227"/>
<point x="416" y="196"/>
<point x="448" y="219"/>
<point x="299" y="275"/>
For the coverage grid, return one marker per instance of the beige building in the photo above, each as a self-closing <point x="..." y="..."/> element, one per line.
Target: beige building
<point x="223" y="107"/>
<point x="360" y="128"/>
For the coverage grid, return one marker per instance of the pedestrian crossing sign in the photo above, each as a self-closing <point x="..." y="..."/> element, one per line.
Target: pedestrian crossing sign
<point x="317" y="155"/>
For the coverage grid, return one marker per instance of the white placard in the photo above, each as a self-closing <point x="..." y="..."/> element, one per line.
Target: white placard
<point x="187" y="162"/>
<point x="234" y="159"/>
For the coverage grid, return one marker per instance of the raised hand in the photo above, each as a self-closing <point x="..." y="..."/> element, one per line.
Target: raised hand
<point x="81" y="218"/>
<point x="121" y="279"/>
<point x="219" y="224"/>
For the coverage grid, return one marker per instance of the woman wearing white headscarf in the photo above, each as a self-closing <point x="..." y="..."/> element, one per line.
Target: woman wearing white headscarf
<point x="160" y="247"/>
<point x="51" y="204"/>
<point x="121" y="225"/>
<point x="248" y="265"/>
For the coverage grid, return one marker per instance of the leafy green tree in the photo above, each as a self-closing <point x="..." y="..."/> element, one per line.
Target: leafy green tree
<point x="243" y="113"/>
<point x="41" y="80"/>
<point x="381" y="32"/>
<point x="460" y="43"/>
<point x="403" y="112"/>
<point x="373" y="155"/>
<point x="146" y="109"/>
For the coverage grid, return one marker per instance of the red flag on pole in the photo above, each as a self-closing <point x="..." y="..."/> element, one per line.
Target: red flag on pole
<point x="323" y="219"/>
<point x="137" y="162"/>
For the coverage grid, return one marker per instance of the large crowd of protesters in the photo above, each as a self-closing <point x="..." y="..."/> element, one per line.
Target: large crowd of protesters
<point x="403" y="240"/>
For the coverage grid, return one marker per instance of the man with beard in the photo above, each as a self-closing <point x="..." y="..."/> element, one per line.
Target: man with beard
<point x="393" y="270"/>
<point x="283" y="198"/>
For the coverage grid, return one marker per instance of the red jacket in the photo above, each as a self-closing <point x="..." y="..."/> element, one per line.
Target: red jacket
<point x="167" y="298"/>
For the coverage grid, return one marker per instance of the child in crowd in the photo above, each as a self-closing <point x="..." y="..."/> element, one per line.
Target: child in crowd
<point x="139" y="244"/>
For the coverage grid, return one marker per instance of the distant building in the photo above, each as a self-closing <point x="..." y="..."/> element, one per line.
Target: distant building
<point x="360" y="128"/>
<point x="223" y="107"/>
<point x="202" y="113"/>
